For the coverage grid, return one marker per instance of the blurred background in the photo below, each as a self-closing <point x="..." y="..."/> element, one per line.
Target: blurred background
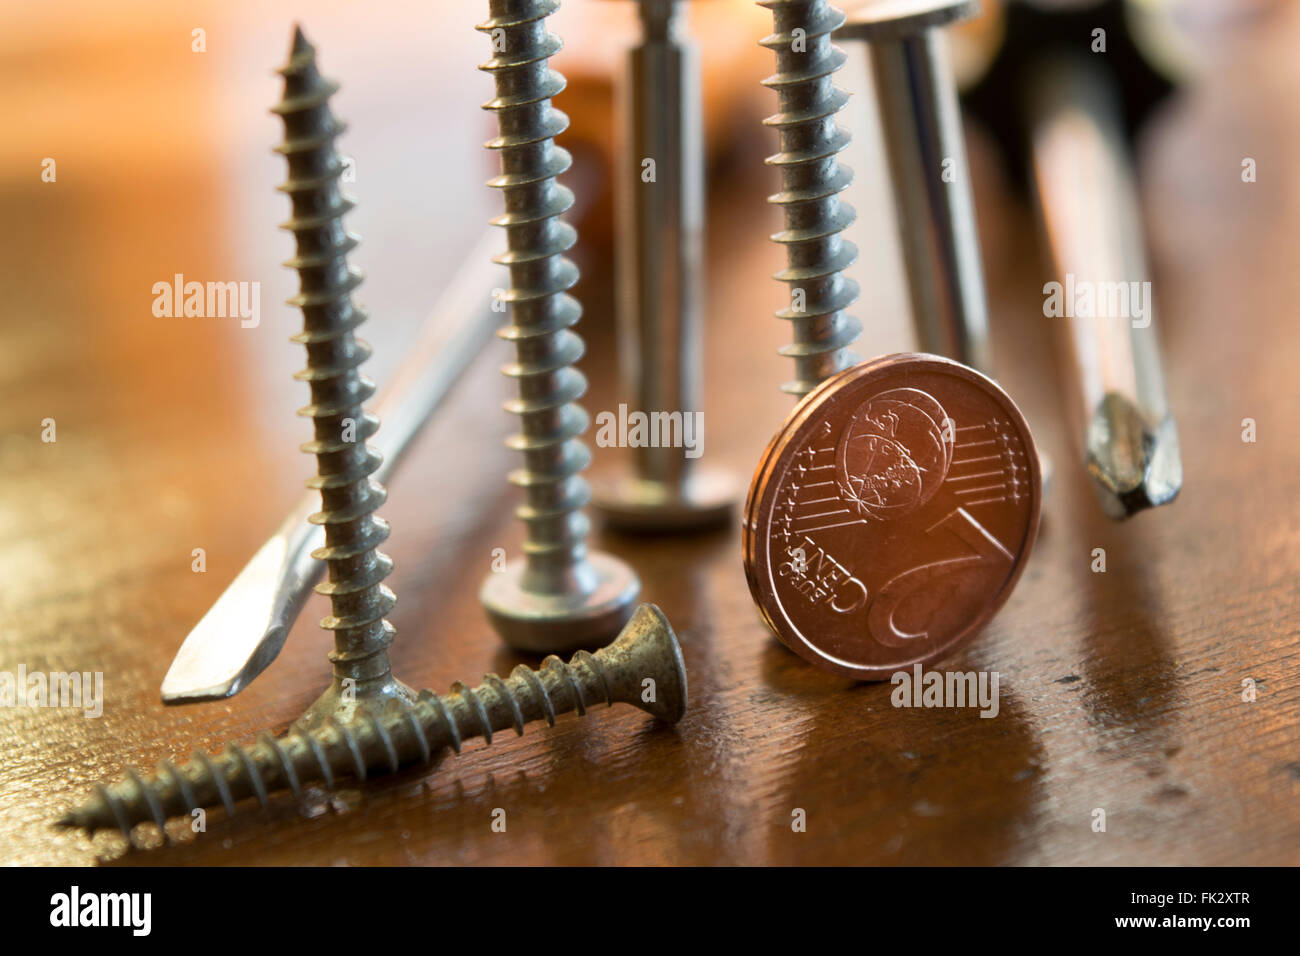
<point x="164" y="166"/>
<point x="175" y="433"/>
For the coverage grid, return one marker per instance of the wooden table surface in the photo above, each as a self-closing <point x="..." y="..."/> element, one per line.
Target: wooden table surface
<point x="1119" y="690"/>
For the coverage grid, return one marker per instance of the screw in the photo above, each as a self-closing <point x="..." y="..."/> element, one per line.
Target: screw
<point x="660" y="254"/>
<point x="557" y="596"/>
<point x="811" y="181"/>
<point x="344" y="461"/>
<point x="643" y="667"/>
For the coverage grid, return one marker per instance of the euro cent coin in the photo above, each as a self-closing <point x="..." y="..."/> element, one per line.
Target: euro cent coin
<point x="891" y="515"/>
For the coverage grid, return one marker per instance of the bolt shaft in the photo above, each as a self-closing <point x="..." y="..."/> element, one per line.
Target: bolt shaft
<point x="659" y="213"/>
<point x="661" y="235"/>
<point x="542" y="311"/>
<point x="344" y="460"/>
<point x="811" y="181"/>
<point x="398" y="736"/>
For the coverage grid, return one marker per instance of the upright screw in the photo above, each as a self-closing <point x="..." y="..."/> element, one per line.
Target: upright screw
<point x="811" y="181"/>
<point x="642" y="668"/>
<point x="359" y="600"/>
<point x="660" y="258"/>
<point x="557" y="595"/>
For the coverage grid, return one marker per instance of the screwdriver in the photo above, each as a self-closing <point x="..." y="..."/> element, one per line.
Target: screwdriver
<point x="1063" y="94"/>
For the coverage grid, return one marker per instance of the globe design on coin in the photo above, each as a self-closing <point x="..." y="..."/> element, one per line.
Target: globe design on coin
<point x="894" y="454"/>
<point x="891" y="515"/>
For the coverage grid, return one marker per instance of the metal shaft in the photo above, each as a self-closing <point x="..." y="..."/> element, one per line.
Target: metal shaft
<point x="660" y="209"/>
<point x="1089" y="209"/>
<point x="537" y="601"/>
<point x="642" y="668"/>
<point x="811" y="180"/>
<point x="660" y="254"/>
<point x="349" y="497"/>
<point x="921" y="126"/>
<point x="931" y="187"/>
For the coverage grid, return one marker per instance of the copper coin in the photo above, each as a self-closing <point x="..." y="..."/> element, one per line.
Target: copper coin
<point x="891" y="515"/>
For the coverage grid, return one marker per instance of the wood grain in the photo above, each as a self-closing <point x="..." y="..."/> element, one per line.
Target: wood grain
<point x="1119" y="690"/>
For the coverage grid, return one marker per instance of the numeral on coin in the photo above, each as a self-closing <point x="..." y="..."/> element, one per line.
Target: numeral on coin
<point x="989" y="554"/>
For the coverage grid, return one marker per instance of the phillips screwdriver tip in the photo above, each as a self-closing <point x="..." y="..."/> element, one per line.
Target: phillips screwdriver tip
<point x="1134" y="464"/>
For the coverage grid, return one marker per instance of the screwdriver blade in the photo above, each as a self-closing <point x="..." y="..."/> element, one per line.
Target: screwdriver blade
<point x="244" y="631"/>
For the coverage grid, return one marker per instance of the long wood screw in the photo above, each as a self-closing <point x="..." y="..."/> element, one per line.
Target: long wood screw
<point x="344" y="461"/>
<point x="642" y="668"/>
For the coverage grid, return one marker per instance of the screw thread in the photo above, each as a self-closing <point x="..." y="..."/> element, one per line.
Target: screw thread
<point x="344" y="460"/>
<point x="401" y="734"/>
<point x="542" y="311"/>
<point x="811" y="180"/>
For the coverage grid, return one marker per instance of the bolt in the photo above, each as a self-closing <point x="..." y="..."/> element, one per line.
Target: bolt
<point x="811" y="181"/>
<point x="643" y="667"/>
<point x="344" y="461"/>
<point x="916" y="98"/>
<point x="557" y="595"/>
<point x="660" y="252"/>
<point x="920" y="120"/>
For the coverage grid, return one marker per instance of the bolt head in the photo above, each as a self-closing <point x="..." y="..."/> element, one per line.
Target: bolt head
<point x="555" y="623"/>
<point x="706" y="500"/>
<point x="894" y="19"/>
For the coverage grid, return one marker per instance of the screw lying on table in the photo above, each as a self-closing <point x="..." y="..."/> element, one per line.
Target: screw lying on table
<point x="811" y="181"/>
<point x="660" y="258"/>
<point x="344" y="461"/>
<point x="642" y="668"/>
<point x="557" y="595"/>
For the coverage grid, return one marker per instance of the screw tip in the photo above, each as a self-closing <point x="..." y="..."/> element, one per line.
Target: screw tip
<point x="302" y="55"/>
<point x="300" y="45"/>
<point x="74" y="819"/>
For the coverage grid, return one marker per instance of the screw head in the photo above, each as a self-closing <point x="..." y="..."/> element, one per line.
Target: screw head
<point x="647" y="647"/>
<point x="705" y="500"/>
<point x="894" y="19"/>
<point x="552" y="623"/>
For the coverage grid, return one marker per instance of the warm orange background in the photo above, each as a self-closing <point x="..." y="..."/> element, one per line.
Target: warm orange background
<point x="1120" y="690"/>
